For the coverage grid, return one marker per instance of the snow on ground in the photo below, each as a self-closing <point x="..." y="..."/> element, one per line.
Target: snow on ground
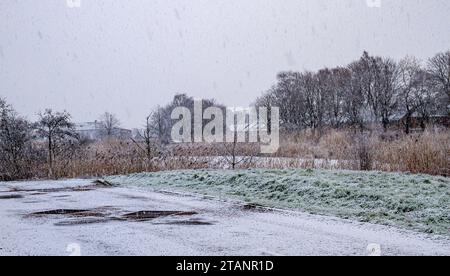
<point x="202" y="226"/>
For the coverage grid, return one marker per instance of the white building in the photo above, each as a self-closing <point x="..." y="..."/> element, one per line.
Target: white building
<point x="96" y="131"/>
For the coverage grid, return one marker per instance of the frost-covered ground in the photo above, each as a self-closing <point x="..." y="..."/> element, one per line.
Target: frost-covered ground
<point x="60" y="217"/>
<point x="415" y="202"/>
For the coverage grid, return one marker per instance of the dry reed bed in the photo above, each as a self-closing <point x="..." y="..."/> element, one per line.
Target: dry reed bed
<point x="426" y="153"/>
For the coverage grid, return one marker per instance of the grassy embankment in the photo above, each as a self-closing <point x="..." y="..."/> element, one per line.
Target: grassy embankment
<point x="415" y="202"/>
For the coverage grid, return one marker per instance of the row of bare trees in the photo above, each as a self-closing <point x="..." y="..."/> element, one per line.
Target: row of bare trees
<point x="372" y="90"/>
<point x="23" y="143"/>
<point x="157" y="131"/>
<point x="159" y="124"/>
<point x="14" y="141"/>
<point x="17" y="134"/>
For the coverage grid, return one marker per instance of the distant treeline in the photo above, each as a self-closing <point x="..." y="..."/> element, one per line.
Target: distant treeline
<point x="370" y="91"/>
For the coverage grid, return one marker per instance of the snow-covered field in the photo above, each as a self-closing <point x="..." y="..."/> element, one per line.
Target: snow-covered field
<point x="81" y="217"/>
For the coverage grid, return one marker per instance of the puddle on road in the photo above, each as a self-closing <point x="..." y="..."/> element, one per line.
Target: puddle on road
<point x="70" y="212"/>
<point x="83" y="221"/>
<point x="74" y="217"/>
<point x="135" y="197"/>
<point x="192" y="222"/>
<point x="13" y="196"/>
<point x="61" y="196"/>
<point x="149" y="215"/>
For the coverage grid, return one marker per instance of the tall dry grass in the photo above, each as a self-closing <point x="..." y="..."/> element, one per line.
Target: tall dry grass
<point x="426" y="153"/>
<point x="115" y="157"/>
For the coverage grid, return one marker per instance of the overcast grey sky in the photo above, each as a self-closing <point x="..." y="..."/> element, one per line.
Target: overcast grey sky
<point x="127" y="56"/>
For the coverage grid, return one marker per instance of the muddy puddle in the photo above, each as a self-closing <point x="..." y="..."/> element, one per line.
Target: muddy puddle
<point x="11" y="196"/>
<point x="192" y="222"/>
<point x="84" y="221"/>
<point x="70" y="213"/>
<point x="73" y="217"/>
<point x="149" y="215"/>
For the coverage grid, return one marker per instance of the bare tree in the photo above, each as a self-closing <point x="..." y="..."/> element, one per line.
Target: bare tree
<point x="426" y="97"/>
<point x="268" y="101"/>
<point x="146" y="136"/>
<point x="302" y="101"/>
<point x="369" y="85"/>
<point x="314" y="90"/>
<point x="14" y="139"/>
<point x="109" y="123"/>
<point x="287" y="96"/>
<point x="235" y="155"/>
<point x="160" y="124"/>
<point x="412" y="81"/>
<point x="387" y="83"/>
<point x="439" y="68"/>
<point x="355" y="103"/>
<point x="339" y="89"/>
<point x="55" y="128"/>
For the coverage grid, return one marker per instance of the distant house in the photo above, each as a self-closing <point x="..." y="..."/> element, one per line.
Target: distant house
<point x="95" y="131"/>
<point x="89" y="130"/>
<point x="416" y="120"/>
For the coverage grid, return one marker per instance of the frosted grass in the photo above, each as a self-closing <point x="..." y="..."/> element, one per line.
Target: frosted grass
<point x="415" y="202"/>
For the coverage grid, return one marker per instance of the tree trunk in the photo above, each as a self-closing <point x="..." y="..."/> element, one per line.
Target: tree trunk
<point x="423" y="124"/>
<point x="361" y="127"/>
<point x="385" y="124"/>
<point x="313" y="132"/>
<point x="233" y="163"/>
<point x="408" y="124"/>
<point x="50" y="157"/>
<point x="149" y="148"/>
